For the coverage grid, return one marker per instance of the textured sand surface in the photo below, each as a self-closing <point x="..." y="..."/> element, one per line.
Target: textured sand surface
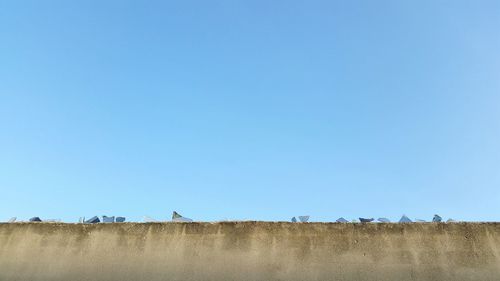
<point x="249" y="251"/>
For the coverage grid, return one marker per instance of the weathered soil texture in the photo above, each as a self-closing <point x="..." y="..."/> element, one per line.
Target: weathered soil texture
<point x="244" y="251"/>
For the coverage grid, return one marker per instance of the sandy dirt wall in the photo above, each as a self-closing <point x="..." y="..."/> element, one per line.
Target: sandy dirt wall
<point x="249" y="251"/>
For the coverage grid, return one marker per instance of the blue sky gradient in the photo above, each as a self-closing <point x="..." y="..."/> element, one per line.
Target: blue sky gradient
<point x="250" y="109"/>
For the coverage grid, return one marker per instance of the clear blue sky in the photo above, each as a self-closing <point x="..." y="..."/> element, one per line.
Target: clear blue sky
<point x="250" y="109"/>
